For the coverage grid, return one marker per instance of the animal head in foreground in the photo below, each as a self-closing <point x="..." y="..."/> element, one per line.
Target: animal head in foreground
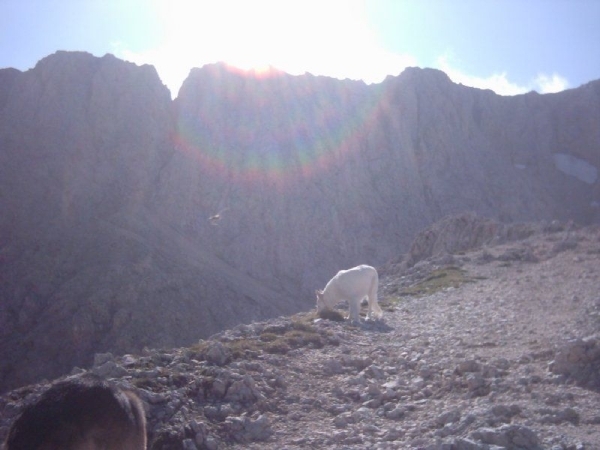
<point x="86" y="413"/>
<point x="352" y="285"/>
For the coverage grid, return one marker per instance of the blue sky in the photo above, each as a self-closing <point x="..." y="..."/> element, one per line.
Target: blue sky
<point x="509" y="46"/>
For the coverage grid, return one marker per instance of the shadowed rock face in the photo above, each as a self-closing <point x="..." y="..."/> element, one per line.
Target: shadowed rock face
<point x="88" y="259"/>
<point x="320" y="174"/>
<point x="107" y="187"/>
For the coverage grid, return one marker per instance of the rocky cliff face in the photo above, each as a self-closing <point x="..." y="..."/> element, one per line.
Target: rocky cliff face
<point x="130" y="220"/>
<point x="81" y="142"/>
<point x="313" y="174"/>
<point x="86" y="262"/>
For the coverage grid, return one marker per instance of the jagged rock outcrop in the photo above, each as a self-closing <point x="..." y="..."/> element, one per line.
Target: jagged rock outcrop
<point x="462" y="232"/>
<point x="580" y="358"/>
<point x="128" y="219"/>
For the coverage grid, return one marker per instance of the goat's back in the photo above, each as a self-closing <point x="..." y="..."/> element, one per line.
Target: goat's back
<point x="353" y="282"/>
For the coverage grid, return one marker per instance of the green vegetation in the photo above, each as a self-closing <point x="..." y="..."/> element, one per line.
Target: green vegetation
<point x="301" y="334"/>
<point x="331" y="314"/>
<point x="243" y="348"/>
<point x="437" y="280"/>
<point x="275" y="340"/>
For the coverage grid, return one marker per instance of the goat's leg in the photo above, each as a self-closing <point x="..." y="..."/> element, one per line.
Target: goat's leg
<point x="354" y="306"/>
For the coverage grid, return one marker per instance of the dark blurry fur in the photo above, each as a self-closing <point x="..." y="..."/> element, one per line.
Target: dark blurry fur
<point x="86" y="413"/>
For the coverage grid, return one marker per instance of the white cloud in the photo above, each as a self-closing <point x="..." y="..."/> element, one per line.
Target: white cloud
<point x="549" y="84"/>
<point x="500" y="83"/>
<point x="497" y="82"/>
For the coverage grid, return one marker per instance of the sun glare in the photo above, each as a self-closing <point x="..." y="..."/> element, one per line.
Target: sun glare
<point x="264" y="36"/>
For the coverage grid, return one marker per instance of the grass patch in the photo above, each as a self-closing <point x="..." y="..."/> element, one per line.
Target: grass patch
<point x="278" y="339"/>
<point x="198" y="350"/>
<point x="438" y="280"/>
<point x="304" y="325"/>
<point x="269" y="337"/>
<point x="301" y="334"/>
<point x="331" y="314"/>
<point x="297" y="339"/>
<point x="240" y="347"/>
<point x="280" y="346"/>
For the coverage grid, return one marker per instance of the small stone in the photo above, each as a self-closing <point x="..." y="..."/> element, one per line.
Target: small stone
<point x="448" y="417"/>
<point x="189" y="444"/>
<point x="333" y="367"/>
<point x="341" y="421"/>
<point x="211" y="443"/>
<point x="418" y="383"/>
<point x="395" y="414"/>
<point x="101" y="358"/>
<point x="109" y="369"/>
<point x="217" y="354"/>
<point x="468" y="366"/>
<point x="509" y="436"/>
<point x="375" y="371"/>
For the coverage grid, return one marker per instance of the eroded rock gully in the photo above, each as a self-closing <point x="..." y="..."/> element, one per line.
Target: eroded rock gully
<point x="505" y="358"/>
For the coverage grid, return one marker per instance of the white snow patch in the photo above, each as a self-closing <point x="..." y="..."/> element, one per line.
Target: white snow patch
<point x="576" y="167"/>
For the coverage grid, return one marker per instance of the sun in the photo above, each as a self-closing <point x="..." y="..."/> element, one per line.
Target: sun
<point x="248" y="35"/>
<point x="330" y="38"/>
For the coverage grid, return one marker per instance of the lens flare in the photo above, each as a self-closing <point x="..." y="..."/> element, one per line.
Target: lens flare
<point x="270" y="126"/>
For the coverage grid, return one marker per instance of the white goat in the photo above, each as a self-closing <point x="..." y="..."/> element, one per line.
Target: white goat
<point x="352" y="285"/>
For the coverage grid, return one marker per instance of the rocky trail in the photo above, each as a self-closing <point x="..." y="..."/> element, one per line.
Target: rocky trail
<point x="494" y="348"/>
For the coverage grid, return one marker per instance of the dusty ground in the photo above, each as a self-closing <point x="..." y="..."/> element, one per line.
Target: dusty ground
<point x="467" y="364"/>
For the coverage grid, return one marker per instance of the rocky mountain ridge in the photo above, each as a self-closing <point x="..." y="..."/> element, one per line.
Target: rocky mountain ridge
<point x="497" y="347"/>
<point x="130" y="220"/>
